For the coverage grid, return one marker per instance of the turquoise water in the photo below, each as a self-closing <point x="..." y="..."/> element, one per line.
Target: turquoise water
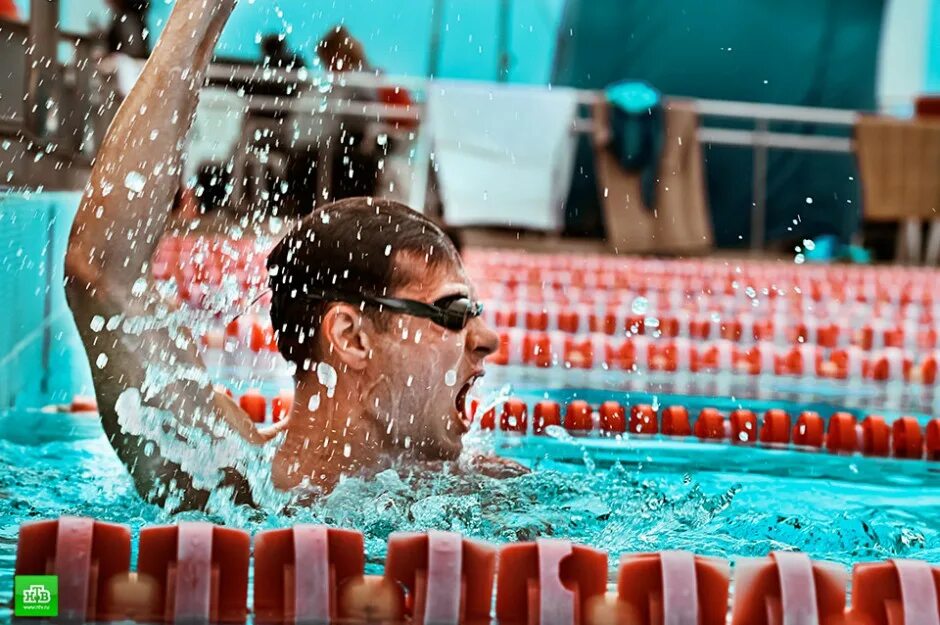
<point x="622" y="496"/>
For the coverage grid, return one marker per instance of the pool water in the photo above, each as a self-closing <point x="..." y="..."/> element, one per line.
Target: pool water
<point x="635" y="496"/>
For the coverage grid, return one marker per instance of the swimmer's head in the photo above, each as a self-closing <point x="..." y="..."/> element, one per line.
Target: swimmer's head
<point x="407" y="369"/>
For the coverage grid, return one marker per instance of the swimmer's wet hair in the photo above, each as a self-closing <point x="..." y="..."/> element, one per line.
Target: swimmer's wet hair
<point x="351" y="246"/>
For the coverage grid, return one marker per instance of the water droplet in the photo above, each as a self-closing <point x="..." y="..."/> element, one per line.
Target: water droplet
<point x="388" y="250"/>
<point x="450" y="378"/>
<point x="326" y="375"/>
<point x="347" y="450"/>
<point x="314" y="402"/>
<point x="97" y="323"/>
<point x="102" y="360"/>
<point x="135" y="182"/>
<point x="640" y="306"/>
<point x="139" y="288"/>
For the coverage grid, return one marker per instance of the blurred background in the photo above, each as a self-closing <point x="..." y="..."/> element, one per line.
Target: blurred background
<point x="802" y="130"/>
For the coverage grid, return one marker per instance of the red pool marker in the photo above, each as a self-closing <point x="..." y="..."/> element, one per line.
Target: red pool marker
<point x="548" y="582"/>
<point x="546" y="413"/>
<point x="501" y="356"/>
<point x="743" y="426"/>
<point x="620" y="354"/>
<point x="636" y="324"/>
<point x="924" y="372"/>
<point x="876" y="436"/>
<point x="788" y="588"/>
<point x="776" y="427"/>
<point x="613" y="418"/>
<point x="579" y="353"/>
<point x="200" y="571"/>
<point x="300" y="571"/>
<point x="282" y="404"/>
<point x="536" y="320"/>
<point x="86" y="555"/>
<point x="643" y="420"/>
<point x="933" y="439"/>
<point x="261" y="338"/>
<point x="537" y="350"/>
<point x="505" y="318"/>
<point x="569" y="321"/>
<point x="675" y="421"/>
<point x="83" y="403"/>
<point x="448" y="579"/>
<point x="898" y="592"/>
<point x="605" y="323"/>
<point x="514" y="417"/>
<point x="488" y="420"/>
<point x="842" y="435"/>
<point x="710" y="425"/>
<point x="254" y="403"/>
<point x="809" y="430"/>
<point x="674" y="587"/>
<point x="578" y="417"/>
<point x="907" y="438"/>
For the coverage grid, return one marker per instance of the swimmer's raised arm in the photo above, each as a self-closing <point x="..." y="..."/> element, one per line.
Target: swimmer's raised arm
<point x="122" y="216"/>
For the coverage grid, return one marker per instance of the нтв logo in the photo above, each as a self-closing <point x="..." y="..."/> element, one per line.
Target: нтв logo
<point x="36" y="595"/>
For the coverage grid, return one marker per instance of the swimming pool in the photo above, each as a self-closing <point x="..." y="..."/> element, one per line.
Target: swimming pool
<point x="627" y="495"/>
<point x="622" y="493"/>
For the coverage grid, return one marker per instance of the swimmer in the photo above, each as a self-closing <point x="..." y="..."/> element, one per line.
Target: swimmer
<point x="370" y="302"/>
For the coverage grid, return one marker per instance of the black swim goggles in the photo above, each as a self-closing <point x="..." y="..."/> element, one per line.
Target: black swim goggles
<point x="452" y="312"/>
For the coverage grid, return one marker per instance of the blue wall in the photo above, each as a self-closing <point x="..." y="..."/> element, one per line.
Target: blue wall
<point x="933" y="48"/>
<point x="397" y="35"/>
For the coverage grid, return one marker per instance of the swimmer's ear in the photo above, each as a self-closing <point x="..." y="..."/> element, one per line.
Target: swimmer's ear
<point x="346" y="336"/>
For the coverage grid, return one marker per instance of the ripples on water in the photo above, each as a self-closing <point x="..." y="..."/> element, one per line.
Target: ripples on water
<point x="616" y="509"/>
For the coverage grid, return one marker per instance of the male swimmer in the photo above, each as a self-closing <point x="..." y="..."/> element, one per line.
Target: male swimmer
<point x="370" y="302"/>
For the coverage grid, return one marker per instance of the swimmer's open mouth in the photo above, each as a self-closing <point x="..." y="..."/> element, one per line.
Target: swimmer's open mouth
<point x="461" y="403"/>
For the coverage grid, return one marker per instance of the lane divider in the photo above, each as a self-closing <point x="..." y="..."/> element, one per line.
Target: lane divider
<point x="842" y="433"/>
<point x="307" y="574"/>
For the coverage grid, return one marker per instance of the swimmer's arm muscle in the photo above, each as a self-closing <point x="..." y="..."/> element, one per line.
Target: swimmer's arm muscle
<point x="120" y="220"/>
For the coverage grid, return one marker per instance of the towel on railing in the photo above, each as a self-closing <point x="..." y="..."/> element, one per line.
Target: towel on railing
<point x="503" y="154"/>
<point x="899" y="163"/>
<point x="679" y="221"/>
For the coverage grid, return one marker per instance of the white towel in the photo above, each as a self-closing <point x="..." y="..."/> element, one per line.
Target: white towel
<point x="503" y="154"/>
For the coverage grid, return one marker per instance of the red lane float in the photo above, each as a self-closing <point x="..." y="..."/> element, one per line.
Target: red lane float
<point x="809" y="430"/>
<point x="514" y="417"/>
<point x="788" y="588"/>
<point x="899" y="592"/>
<point x="643" y="420"/>
<point x="548" y="582"/>
<point x="676" y="421"/>
<point x="743" y="426"/>
<point x="842" y="435"/>
<point x="301" y="571"/>
<point x="613" y="418"/>
<point x="547" y="413"/>
<point x="710" y="425"/>
<point x="673" y="587"/>
<point x="907" y="437"/>
<point x="776" y="427"/>
<point x="86" y="555"/>
<point x="448" y="579"/>
<point x="199" y="571"/>
<point x="876" y="436"/>
<point x="933" y="440"/>
<point x="281" y="405"/>
<point x="578" y="417"/>
<point x="254" y="403"/>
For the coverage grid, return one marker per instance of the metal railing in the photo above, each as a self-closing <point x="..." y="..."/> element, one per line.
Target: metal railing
<point x="45" y="127"/>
